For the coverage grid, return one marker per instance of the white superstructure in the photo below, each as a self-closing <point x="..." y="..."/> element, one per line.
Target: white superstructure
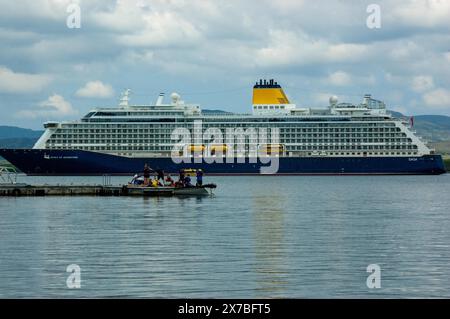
<point x="340" y="129"/>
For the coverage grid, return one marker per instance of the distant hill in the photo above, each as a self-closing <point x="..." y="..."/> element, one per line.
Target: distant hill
<point x="17" y="132"/>
<point x="442" y="147"/>
<point x="435" y="128"/>
<point x="16" y="137"/>
<point x="19" y="142"/>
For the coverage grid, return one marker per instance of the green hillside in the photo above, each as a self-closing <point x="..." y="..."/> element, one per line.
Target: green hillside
<point x="441" y="147"/>
<point x="434" y="128"/>
<point x="17" y="132"/>
<point x="19" y="142"/>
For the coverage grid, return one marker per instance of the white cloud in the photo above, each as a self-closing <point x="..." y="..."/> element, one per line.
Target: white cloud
<point x="393" y="78"/>
<point x="439" y="98"/>
<point x="399" y="109"/>
<point x="339" y="78"/>
<point x="422" y="13"/>
<point x="152" y="23"/>
<point x="298" y="48"/>
<point x="322" y="98"/>
<point x="96" y="89"/>
<point x="342" y="78"/>
<point x="55" y="106"/>
<point x="36" y="9"/>
<point x="394" y="97"/>
<point x="422" y="83"/>
<point x="7" y="34"/>
<point x="163" y="29"/>
<point x="346" y="52"/>
<point x="286" y="6"/>
<point x="124" y="17"/>
<point x="447" y="56"/>
<point x="12" y="82"/>
<point x="404" y="50"/>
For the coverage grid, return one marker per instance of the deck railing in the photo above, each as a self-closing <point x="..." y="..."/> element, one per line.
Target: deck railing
<point x="8" y="175"/>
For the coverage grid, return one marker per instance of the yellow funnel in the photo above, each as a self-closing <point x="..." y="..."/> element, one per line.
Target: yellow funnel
<point x="268" y="92"/>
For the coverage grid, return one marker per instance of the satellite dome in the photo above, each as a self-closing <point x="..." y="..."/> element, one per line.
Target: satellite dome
<point x="175" y="97"/>
<point x="333" y="100"/>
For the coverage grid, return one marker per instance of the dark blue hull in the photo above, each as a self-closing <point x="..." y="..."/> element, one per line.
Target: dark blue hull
<point x="74" y="162"/>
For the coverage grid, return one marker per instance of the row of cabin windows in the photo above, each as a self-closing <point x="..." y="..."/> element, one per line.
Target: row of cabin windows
<point x="282" y="135"/>
<point x="136" y="128"/>
<point x="285" y="127"/>
<point x="106" y="133"/>
<point x="253" y="139"/>
<point x="290" y="148"/>
<point x="352" y="147"/>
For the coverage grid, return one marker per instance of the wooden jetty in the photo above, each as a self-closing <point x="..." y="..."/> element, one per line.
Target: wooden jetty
<point x="96" y="190"/>
<point x="10" y="187"/>
<point x="60" y="190"/>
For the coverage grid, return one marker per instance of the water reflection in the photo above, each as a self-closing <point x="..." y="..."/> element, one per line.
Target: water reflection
<point x="268" y="232"/>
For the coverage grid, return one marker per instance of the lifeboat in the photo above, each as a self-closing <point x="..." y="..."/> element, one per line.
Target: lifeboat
<point x="272" y="149"/>
<point x="196" y="148"/>
<point x="218" y="148"/>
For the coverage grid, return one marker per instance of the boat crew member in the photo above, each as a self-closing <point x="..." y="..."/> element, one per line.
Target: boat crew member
<point x="160" y="174"/>
<point x="155" y="182"/>
<point x="169" y="181"/>
<point x="199" y="176"/>
<point x="146" y="174"/>
<point x="187" y="182"/>
<point x="182" y="176"/>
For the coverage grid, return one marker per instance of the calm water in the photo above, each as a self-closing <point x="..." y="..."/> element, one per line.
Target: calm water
<point x="258" y="237"/>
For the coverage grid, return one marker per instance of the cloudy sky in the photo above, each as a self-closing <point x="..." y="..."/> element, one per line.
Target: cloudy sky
<point x="212" y="51"/>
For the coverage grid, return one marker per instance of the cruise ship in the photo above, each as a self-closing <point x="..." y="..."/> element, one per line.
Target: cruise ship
<point x="338" y="139"/>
